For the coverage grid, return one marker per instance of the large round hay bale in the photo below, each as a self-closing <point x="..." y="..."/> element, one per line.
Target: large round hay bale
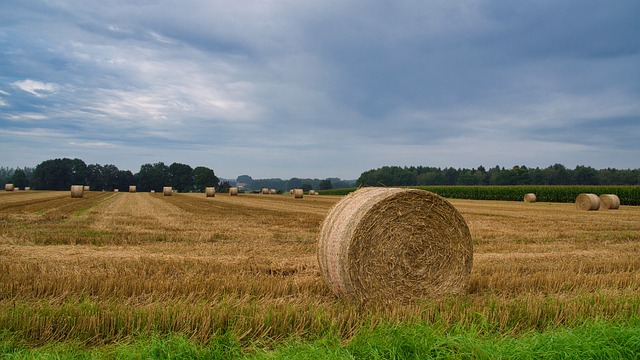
<point x="298" y="193"/>
<point x="530" y="198"/>
<point x="210" y="191"/>
<point x="167" y="191"/>
<point x="609" y="201"/>
<point x="132" y="188"/>
<point x="77" y="191"/>
<point x="390" y="244"/>
<point x="233" y="191"/>
<point x="587" y="202"/>
<point x="9" y="187"/>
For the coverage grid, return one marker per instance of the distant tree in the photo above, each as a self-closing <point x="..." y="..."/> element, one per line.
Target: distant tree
<point x="124" y="179"/>
<point x="294" y="183"/>
<point x="110" y="177"/>
<point x="204" y="177"/>
<point x="19" y="179"/>
<point x="325" y="185"/>
<point x="306" y="187"/>
<point x="153" y="177"/>
<point x="59" y="174"/>
<point x="585" y="175"/>
<point x="245" y="179"/>
<point x="95" y="177"/>
<point x="181" y="176"/>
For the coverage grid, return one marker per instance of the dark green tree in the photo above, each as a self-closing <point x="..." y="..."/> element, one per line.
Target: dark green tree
<point x="325" y="185"/>
<point x="181" y="176"/>
<point x="204" y="177"/>
<point x="19" y="179"/>
<point x="59" y="174"/>
<point x="153" y="177"/>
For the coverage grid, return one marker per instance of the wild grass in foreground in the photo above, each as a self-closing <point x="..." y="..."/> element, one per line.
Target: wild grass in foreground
<point x="601" y="340"/>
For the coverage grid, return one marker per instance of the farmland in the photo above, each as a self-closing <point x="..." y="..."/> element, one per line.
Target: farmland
<point x="113" y="267"/>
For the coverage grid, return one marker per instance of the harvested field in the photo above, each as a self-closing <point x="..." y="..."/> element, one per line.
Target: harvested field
<point x="112" y="265"/>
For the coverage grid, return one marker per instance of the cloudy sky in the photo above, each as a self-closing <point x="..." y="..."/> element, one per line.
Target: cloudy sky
<point x="320" y="88"/>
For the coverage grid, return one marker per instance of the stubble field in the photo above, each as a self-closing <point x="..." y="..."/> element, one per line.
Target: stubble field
<point x="110" y="267"/>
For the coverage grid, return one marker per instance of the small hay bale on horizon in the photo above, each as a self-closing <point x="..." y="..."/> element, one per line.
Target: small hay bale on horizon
<point x="27" y="188"/>
<point x="86" y="188"/>
<point x="9" y="187"/>
<point x="264" y="190"/>
<point x="395" y="245"/>
<point x="77" y="191"/>
<point x="587" y="202"/>
<point x="530" y="198"/>
<point x="273" y="191"/>
<point x="609" y="201"/>
<point x="152" y="191"/>
<point x="233" y="191"/>
<point x="210" y="191"/>
<point x="298" y="193"/>
<point x="132" y="188"/>
<point x="167" y="191"/>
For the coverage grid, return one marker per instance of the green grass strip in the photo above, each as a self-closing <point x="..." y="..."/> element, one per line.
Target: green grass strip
<point x="592" y="340"/>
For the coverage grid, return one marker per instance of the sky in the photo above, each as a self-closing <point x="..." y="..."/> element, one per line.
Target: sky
<point x="289" y="88"/>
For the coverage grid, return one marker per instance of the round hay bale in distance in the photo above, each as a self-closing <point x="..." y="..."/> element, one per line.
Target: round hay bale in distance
<point x="77" y="191"/>
<point x="530" y="198"/>
<point x="132" y="188"/>
<point x="9" y="187"/>
<point x="395" y="245"/>
<point x="27" y="188"/>
<point x="264" y="190"/>
<point x="167" y="191"/>
<point x="609" y="201"/>
<point x="298" y="193"/>
<point x="273" y="191"/>
<point x="233" y="191"/>
<point x="152" y="191"/>
<point x="210" y="191"/>
<point x="116" y="190"/>
<point x="587" y="202"/>
<point x="86" y="188"/>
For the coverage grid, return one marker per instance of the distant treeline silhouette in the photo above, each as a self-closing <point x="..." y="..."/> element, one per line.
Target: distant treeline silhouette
<point x="556" y="174"/>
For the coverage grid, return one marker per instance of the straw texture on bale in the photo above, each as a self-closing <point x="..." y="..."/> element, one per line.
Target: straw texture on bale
<point x="210" y="191"/>
<point x="233" y="191"/>
<point x="77" y="191"/>
<point x="167" y="191"/>
<point x="609" y="201"/>
<point x="395" y="245"/>
<point x="587" y="202"/>
<point x="530" y="198"/>
<point x="298" y="193"/>
<point x="9" y="187"/>
<point x="132" y="188"/>
<point x="87" y="188"/>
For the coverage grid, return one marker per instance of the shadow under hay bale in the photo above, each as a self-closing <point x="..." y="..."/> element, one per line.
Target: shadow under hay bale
<point x="395" y="245"/>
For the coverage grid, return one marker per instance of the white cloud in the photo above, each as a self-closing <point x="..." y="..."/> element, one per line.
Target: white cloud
<point x="37" y="88"/>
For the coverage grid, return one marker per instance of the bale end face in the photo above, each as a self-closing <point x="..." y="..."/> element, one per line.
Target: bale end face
<point x="609" y="201"/>
<point x="233" y="191"/>
<point x="395" y="245"/>
<point x="298" y="193"/>
<point x="530" y="198"/>
<point x="9" y="187"/>
<point x="587" y="202"/>
<point x="210" y="192"/>
<point x="132" y="188"/>
<point x="77" y="191"/>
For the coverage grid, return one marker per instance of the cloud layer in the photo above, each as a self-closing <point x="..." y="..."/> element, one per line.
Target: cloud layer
<point x="319" y="89"/>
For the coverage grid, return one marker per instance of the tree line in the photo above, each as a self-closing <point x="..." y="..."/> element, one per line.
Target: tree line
<point x="60" y="174"/>
<point x="556" y="174"/>
<point x="248" y="183"/>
